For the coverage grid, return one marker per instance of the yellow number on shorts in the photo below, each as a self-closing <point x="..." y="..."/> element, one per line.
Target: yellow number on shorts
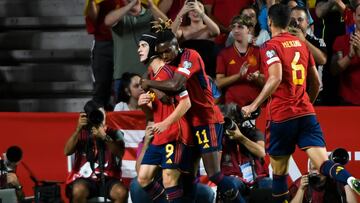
<point x="203" y="132"/>
<point x="169" y="148"/>
<point x="297" y="67"/>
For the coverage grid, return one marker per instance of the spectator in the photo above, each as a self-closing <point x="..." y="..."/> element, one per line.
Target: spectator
<point x="242" y="159"/>
<point x="258" y="36"/>
<point x="98" y="152"/>
<point x="102" y="53"/>
<point x="129" y="92"/>
<point x="128" y="23"/>
<point x="331" y="12"/>
<point x="298" y="25"/>
<point x="197" y="32"/>
<point x="238" y="66"/>
<point x="346" y="62"/>
<point x="317" y="188"/>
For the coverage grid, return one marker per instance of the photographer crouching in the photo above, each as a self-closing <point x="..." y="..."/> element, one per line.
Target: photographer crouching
<point x="8" y="165"/>
<point x="317" y="188"/>
<point x="242" y="157"/>
<point x="98" y="153"/>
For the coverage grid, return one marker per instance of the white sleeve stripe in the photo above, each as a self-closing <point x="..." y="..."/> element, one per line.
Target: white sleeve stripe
<point x="183" y="93"/>
<point x="184" y="70"/>
<point x="272" y="60"/>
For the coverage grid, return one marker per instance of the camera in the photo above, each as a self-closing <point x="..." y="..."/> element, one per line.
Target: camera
<point x="94" y="116"/>
<point x="293" y="24"/>
<point x="340" y="156"/>
<point x="229" y="124"/>
<point x="11" y="158"/>
<point x="314" y="179"/>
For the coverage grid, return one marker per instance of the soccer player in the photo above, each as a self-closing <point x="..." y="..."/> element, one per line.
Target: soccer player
<point x="291" y="118"/>
<point x="204" y="118"/>
<point x="170" y="132"/>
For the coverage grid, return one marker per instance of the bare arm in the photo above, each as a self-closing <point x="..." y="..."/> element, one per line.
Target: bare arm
<point x="92" y="10"/>
<point x="165" y="5"/>
<point x="299" y="196"/>
<point x="70" y="145"/>
<point x="314" y="83"/>
<point x="156" y="12"/>
<point x="351" y="197"/>
<point x="256" y="148"/>
<point x="147" y="140"/>
<point x="272" y="83"/>
<point x="213" y="28"/>
<point x="116" y="15"/>
<point x="171" y="85"/>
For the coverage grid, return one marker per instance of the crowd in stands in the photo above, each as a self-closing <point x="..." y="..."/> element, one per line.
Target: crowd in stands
<point x="229" y="36"/>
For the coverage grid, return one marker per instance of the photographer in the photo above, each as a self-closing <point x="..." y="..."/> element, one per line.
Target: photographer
<point x="316" y="188"/>
<point x="98" y="153"/>
<point x="8" y="165"/>
<point x="242" y="158"/>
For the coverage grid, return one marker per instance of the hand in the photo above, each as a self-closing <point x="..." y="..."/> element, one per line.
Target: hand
<point x="82" y="121"/>
<point x="188" y="6"/>
<point x="253" y="76"/>
<point x="297" y="32"/>
<point x="243" y="70"/>
<point x="355" y="44"/>
<point x="144" y="84"/>
<point x="130" y="3"/>
<point x="304" y="182"/>
<point x="160" y="127"/>
<point x="149" y="134"/>
<point x="99" y="132"/>
<point x="198" y="7"/>
<point x="247" y="110"/>
<point x="144" y="99"/>
<point x="235" y="134"/>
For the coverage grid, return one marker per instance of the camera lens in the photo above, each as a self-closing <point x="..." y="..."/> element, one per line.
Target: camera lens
<point x="229" y="124"/>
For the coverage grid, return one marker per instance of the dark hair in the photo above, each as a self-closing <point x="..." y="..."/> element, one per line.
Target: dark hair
<point x="280" y="15"/>
<point x="165" y="35"/>
<point x="300" y="8"/>
<point x="257" y="28"/>
<point x="125" y="84"/>
<point x="91" y="106"/>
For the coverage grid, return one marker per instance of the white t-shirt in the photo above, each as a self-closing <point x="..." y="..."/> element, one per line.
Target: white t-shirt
<point x="121" y="106"/>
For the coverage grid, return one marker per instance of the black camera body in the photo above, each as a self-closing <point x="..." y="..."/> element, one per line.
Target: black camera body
<point x="314" y="179"/>
<point x="94" y="116"/>
<point x="293" y="24"/>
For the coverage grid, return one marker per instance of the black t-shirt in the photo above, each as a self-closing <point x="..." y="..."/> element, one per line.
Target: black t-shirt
<point x="317" y="42"/>
<point x="333" y="25"/>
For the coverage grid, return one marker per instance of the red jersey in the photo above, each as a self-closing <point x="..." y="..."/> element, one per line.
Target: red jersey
<point x="229" y="62"/>
<point x="350" y="77"/>
<point x="202" y="102"/>
<point x="290" y="99"/>
<point x="179" y="130"/>
<point x="99" y="29"/>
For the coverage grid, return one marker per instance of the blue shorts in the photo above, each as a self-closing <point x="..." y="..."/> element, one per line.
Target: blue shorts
<point x="173" y="155"/>
<point x="208" y="137"/>
<point x="303" y="131"/>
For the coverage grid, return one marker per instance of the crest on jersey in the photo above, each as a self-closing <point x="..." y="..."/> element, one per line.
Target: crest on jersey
<point x="270" y="53"/>
<point x="187" y="64"/>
